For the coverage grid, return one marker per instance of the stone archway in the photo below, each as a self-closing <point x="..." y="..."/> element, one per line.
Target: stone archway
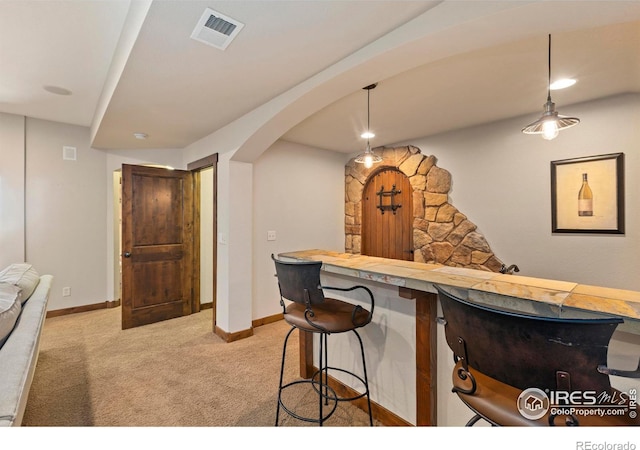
<point x="441" y="233"/>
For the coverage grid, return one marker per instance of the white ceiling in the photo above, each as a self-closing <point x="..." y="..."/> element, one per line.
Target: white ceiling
<point x="439" y="65"/>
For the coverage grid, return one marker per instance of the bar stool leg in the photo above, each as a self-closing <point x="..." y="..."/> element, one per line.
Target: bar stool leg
<point x="326" y="368"/>
<point x="284" y="353"/>
<point x="322" y="391"/>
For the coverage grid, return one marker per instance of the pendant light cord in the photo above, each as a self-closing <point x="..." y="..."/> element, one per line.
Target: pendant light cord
<point x="549" y="75"/>
<point x="368" y="117"/>
<point x="368" y="88"/>
<point x="542" y="125"/>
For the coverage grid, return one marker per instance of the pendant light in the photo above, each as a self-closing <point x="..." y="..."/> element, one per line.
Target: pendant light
<point x="368" y="158"/>
<point x="550" y="124"/>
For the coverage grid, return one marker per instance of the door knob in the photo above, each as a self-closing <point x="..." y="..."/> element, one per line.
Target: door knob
<point x="127" y="254"/>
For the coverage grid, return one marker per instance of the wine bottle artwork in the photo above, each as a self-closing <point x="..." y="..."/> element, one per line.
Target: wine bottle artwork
<point x="585" y="198"/>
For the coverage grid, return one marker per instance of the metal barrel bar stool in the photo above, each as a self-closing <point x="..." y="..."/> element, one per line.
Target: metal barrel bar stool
<point x="516" y="369"/>
<point x="306" y="309"/>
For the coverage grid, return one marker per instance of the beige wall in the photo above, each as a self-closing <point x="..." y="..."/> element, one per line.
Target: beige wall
<point x="298" y="193"/>
<point x="501" y="181"/>
<point x="58" y="214"/>
<point x="65" y="212"/>
<point x="11" y="189"/>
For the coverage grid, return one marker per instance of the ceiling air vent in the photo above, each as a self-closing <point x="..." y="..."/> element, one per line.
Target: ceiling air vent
<point x="216" y="29"/>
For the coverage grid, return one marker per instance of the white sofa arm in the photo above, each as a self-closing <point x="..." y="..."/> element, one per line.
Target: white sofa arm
<point x="19" y="355"/>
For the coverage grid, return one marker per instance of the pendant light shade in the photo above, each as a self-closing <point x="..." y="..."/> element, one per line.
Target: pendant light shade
<point x="368" y="158"/>
<point x="550" y="124"/>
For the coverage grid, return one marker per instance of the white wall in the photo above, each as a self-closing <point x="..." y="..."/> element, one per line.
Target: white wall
<point x="12" y="156"/>
<point x="501" y="181"/>
<point x="298" y="192"/>
<point x="65" y="212"/>
<point x="233" y="298"/>
<point x="389" y="343"/>
<point x="234" y="256"/>
<point x="62" y="212"/>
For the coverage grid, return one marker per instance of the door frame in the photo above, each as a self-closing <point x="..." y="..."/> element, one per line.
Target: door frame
<point x="196" y="167"/>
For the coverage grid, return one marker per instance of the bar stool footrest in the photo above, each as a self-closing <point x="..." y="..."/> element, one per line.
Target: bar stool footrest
<point x="330" y="396"/>
<point x="343" y="399"/>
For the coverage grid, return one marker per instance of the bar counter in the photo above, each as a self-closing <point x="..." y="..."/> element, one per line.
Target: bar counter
<point x="559" y="297"/>
<point x="415" y="281"/>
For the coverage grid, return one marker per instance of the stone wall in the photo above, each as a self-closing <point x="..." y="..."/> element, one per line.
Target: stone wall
<point x="441" y="233"/>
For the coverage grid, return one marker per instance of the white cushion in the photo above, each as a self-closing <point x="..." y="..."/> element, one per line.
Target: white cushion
<point x="10" y="307"/>
<point x="22" y="275"/>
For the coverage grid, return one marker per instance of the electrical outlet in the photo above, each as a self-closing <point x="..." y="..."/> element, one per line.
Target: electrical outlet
<point x="271" y="235"/>
<point x="66" y="291"/>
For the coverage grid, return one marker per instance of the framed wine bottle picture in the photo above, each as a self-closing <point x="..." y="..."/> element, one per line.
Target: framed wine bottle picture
<point x="587" y="194"/>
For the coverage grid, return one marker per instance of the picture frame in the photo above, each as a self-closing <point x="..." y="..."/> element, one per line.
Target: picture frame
<point x="587" y="194"/>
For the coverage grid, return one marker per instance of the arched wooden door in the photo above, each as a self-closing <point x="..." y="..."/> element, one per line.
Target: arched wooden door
<point x="387" y="216"/>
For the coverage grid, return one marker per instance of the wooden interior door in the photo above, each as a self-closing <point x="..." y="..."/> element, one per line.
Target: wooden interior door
<point x="387" y="232"/>
<point x="157" y="244"/>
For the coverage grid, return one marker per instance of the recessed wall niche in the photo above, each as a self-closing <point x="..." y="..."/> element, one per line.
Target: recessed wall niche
<point x="441" y="233"/>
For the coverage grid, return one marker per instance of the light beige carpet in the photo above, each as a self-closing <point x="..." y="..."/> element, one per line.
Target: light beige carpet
<point x="172" y="373"/>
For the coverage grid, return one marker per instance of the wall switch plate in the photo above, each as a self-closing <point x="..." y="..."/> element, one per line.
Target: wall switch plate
<point x="271" y="235"/>
<point x="66" y="291"/>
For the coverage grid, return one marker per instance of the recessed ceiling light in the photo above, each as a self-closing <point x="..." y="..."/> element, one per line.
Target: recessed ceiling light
<point x="140" y="135"/>
<point x="57" y="90"/>
<point x="561" y="84"/>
